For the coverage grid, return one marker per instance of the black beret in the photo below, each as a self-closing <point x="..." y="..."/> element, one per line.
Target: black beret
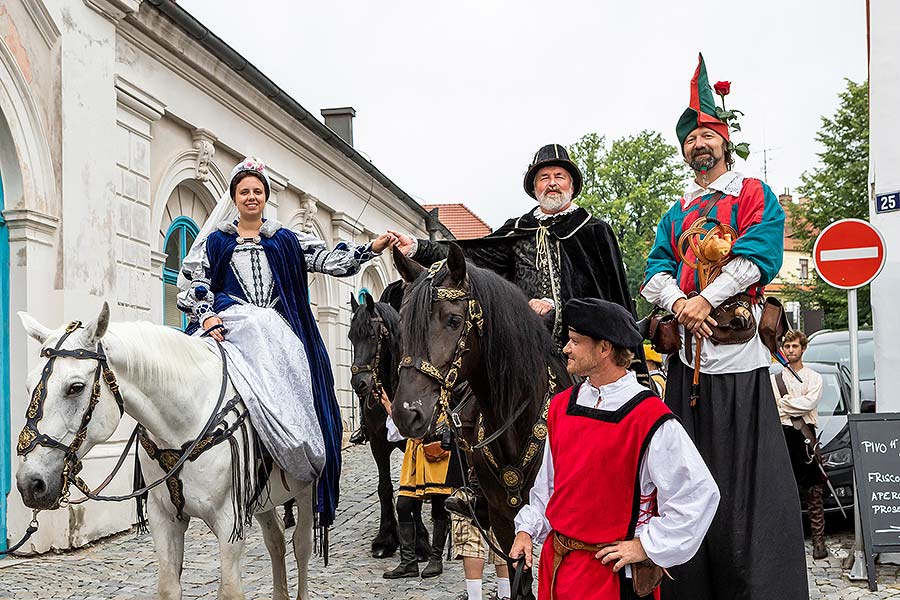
<point x="602" y="320"/>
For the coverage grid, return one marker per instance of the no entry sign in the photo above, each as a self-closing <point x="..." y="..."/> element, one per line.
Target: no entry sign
<point x="849" y="253"/>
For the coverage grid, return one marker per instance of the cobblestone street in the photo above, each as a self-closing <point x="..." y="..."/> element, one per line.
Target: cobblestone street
<point x="124" y="566"/>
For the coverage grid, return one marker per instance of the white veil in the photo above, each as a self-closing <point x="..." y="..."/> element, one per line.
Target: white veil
<point x="224" y="212"/>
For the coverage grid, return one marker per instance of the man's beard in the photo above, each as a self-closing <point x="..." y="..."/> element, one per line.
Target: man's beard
<point x="554" y="204"/>
<point x="704" y="162"/>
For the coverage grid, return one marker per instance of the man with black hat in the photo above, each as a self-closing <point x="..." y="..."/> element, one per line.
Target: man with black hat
<point x="554" y="252"/>
<point x="715" y="249"/>
<point x="621" y="491"/>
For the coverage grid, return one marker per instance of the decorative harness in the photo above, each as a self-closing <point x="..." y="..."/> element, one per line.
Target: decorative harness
<point x="474" y="319"/>
<point x="31" y="437"/>
<point x="511" y="477"/>
<point x="374" y="366"/>
<point x="167" y="458"/>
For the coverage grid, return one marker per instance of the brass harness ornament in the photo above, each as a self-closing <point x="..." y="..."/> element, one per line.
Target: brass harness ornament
<point x="374" y="366"/>
<point x="31" y="437"/>
<point x="511" y="477"/>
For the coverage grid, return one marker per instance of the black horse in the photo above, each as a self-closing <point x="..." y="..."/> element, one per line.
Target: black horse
<point x="375" y="336"/>
<point x="466" y="323"/>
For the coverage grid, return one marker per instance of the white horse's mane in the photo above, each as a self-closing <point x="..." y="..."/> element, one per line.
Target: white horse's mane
<point x="160" y="354"/>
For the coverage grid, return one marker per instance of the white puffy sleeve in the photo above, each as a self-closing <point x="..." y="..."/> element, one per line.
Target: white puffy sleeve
<point x="196" y="296"/>
<point x="687" y="496"/>
<point x="341" y="261"/>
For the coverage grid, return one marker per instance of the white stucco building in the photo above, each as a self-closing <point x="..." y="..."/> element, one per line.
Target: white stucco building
<point x="884" y="177"/>
<point x="119" y="122"/>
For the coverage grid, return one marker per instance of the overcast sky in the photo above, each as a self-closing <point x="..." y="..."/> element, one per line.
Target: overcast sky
<point x="453" y="98"/>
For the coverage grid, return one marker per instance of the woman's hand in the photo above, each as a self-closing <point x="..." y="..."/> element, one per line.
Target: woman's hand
<point x="404" y="242"/>
<point x="386" y="402"/>
<point x="212" y="322"/>
<point x="383" y="241"/>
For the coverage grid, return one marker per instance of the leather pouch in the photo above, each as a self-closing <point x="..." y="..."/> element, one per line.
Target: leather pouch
<point x="736" y="323"/>
<point x="645" y="577"/>
<point x="434" y="452"/>
<point x="663" y="332"/>
<point x="773" y="325"/>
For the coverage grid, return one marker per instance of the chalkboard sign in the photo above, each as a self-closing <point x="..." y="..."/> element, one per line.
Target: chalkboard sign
<point x="875" y="442"/>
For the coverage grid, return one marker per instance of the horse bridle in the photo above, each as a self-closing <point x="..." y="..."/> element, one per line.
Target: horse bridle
<point x="474" y="320"/>
<point x="374" y="366"/>
<point x="31" y="437"/>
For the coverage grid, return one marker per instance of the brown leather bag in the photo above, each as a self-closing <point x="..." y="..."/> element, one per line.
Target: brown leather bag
<point x="434" y="452"/>
<point x="736" y="323"/>
<point x="773" y="325"/>
<point x="645" y="577"/>
<point x="663" y="332"/>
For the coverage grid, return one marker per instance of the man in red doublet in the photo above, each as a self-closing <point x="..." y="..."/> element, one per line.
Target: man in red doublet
<point x="621" y="483"/>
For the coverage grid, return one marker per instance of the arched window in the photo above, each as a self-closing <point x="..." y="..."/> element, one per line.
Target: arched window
<point x="178" y="241"/>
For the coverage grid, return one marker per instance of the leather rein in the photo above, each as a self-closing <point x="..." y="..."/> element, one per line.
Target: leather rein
<point x="474" y="320"/>
<point x="374" y="396"/>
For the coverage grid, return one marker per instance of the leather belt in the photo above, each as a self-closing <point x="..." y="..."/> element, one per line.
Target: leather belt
<point x="562" y="546"/>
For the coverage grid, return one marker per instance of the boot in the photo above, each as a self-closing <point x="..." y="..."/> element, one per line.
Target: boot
<point x="815" y="508"/>
<point x="360" y="436"/>
<point x="435" y="564"/>
<point x="289" y="520"/>
<point x="408" y="566"/>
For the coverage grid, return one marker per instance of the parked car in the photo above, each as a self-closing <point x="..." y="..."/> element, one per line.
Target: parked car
<point x="833" y="432"/>
<point x="834" y="347"/>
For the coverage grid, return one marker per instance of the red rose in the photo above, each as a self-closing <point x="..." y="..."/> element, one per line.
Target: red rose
<point x="722" y="88"/>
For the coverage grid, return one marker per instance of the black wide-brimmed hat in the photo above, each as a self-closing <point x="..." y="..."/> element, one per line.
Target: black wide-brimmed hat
<point x="552" y="155"/>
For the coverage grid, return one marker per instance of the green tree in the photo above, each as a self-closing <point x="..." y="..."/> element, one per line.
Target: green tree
<point x="836" y="189"/>
<point x="630" y="184"/>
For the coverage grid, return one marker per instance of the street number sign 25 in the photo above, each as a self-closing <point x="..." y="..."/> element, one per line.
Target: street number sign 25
<point x="887" y="202"/>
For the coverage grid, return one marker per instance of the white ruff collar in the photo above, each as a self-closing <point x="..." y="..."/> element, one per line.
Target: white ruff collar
<point x="542" y="216"/>
<point x="268" y="229"/>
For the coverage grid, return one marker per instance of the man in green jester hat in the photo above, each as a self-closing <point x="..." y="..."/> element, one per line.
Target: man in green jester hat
<point x="754" y="547"/>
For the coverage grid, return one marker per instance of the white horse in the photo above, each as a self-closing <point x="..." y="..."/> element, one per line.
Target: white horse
<point x="170" y="384"/>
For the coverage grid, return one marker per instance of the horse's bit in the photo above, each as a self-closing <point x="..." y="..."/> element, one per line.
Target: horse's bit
<point x="31" y="437"/>
<point x="474" y="319"/>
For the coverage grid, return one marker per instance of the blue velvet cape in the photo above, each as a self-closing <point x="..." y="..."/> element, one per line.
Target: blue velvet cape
<point x="288" y="267"/>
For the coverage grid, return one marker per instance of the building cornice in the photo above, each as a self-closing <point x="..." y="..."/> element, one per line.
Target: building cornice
<point x="139" y="101"/>
<point x="114" y="10"/>
<point x="30" y="225"/>
<point x="43" y="21"/>
<point x="324" y="145"/>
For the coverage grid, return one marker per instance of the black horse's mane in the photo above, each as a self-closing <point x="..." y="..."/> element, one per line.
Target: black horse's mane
<point x="516" y="346"/>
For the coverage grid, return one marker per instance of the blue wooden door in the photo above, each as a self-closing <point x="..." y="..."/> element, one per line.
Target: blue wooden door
<point x="5" y="441"/>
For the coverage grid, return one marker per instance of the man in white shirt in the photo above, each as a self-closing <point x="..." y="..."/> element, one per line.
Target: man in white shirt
<point x="728" y="410"/>
<point x="798" y="404"/>
<point x="621" y="482"/>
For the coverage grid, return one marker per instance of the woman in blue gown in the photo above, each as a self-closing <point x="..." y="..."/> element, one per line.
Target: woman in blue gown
<point x="249" y="275"/>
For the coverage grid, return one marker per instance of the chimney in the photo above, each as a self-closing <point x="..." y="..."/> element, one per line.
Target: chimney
<point x="340" y="121"/>
<point x="786" y="197"/>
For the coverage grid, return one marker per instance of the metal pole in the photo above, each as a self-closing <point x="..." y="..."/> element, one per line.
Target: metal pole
<point x="858" y="570"/>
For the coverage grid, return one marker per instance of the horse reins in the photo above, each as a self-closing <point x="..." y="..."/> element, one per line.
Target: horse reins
<point x="474" y="320"/>
<point x="512" y="475"/>
<point x="30" y="437"/>
<point x="374" y="366"/>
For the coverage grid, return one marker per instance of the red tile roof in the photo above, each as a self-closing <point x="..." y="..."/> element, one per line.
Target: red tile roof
<point x="461" y="221"/>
